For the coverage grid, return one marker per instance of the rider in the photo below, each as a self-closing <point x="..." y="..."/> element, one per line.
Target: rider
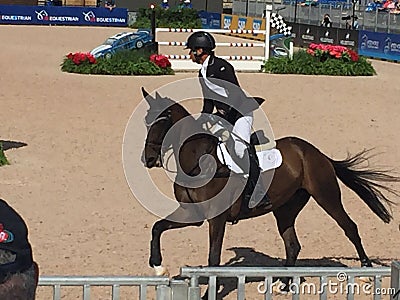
<point x="218" y="80"/>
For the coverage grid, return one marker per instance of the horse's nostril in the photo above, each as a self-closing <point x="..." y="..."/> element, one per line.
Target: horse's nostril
<point x="150" y="161"/>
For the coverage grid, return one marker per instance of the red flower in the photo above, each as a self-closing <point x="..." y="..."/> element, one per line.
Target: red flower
<point x="333" y="51"/>
<point x="160" y="60"/>
<point x="353" y="55"/>
<point x="80" y="57"/>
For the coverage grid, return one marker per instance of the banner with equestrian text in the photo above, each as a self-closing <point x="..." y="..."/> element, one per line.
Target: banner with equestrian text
<point x="63" y="15"/>
<point x="380" y="45"/>
<point x="210" y="20"/>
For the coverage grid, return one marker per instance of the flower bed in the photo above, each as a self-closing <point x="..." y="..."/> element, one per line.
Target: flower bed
<point x="3" y="158"/>
<point x="122" y="63"/>
<point x="320" y="59"/>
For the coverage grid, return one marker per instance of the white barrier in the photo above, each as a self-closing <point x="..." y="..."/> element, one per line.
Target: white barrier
<point x="343" y="277"/>
<point x="332" y="280"/>
<point x="163" y="285"/>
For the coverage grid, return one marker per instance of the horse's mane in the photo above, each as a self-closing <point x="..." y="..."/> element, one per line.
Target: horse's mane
<point x="160" y="106"/>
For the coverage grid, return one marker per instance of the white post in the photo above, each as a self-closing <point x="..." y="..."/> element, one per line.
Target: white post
<point x="268" y="9"/>
<point x="291" y="50"/>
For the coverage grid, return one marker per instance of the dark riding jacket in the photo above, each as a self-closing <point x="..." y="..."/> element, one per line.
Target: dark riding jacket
<point x="221" y="73"/>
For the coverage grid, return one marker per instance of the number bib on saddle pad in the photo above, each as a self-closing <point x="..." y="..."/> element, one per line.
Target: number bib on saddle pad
<point x="268" y="156"/>
<point x="268" y="159"/>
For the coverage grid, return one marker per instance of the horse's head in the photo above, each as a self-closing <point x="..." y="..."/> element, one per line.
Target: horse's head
<point x="158" y="121"/>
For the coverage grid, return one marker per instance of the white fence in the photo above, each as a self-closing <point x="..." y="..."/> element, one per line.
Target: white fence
<point x="327" y="275"/>
<point x="162" y="285"/>
<point x="240" y="62"/>
<point x="167" y="289"/>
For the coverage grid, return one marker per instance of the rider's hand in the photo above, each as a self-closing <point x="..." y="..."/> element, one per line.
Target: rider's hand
<point x="204" y="118"/>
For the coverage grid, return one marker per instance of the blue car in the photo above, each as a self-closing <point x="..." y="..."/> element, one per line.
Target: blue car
<point x="122" y="41"/>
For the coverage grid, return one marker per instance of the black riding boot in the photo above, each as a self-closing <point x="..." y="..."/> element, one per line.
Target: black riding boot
<point x="255" y="191"/>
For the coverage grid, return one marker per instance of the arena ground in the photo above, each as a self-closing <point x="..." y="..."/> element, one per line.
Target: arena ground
<point x="69" y="183"/>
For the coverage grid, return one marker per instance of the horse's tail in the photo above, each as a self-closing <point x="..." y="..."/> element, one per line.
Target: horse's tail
<point x="367" y="183"/>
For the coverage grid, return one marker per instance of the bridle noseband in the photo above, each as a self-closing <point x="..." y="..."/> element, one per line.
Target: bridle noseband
<point x="158" y="146"/>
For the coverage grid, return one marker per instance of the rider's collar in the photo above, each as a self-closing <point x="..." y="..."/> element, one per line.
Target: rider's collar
<point x="206" y="62"/>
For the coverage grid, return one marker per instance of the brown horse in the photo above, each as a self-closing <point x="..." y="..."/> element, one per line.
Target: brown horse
<point x="304" y="172"/>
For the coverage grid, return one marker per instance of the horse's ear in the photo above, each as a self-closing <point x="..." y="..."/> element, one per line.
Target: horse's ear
<point x="158" y="97"/>
<point x="146" y="95"/>
<point x="259" y="100"/>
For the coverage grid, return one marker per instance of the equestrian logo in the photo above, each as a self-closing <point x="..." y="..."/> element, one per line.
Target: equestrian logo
<point x="89" y="16"/>
<point x="242" y="23"/>
<point x="6" y="236"/>
<point x="42" y="15"/>
<point x="227" y="22"/>
<point x="364" y="41"/>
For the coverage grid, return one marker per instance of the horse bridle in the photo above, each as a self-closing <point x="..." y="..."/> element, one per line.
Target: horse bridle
<point x="158" y="146"/>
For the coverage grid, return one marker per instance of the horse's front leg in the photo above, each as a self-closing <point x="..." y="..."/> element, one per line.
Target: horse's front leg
<point x="155" y="245"/>
<point x="216" y="237"/>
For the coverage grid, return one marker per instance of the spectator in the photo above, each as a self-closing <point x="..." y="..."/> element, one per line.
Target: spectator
<point x="181" y="5"/>
<point x="355" y="23"/>
<point x="326" y="21"/>
<point x="165" y="4"/>
<point x="187" y="4"/>
<point x="110" y="4"/>
<point x="349" y="24"/>
<point x="19" y="274"/>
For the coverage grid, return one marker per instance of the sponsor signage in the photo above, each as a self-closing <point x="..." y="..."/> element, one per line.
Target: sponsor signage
<point x="348" y="38"/>
<point x="380" y="45"/>
<point x="58" y="15"/>
<point x="210" y="20"/>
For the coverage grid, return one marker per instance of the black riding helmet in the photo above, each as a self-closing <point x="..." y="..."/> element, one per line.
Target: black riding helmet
<point x="201" y="39"/>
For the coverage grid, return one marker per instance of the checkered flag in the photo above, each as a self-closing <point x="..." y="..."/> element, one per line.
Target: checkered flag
<point x="278" y="23"/>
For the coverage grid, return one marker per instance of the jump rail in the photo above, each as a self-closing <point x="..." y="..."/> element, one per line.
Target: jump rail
<point x="217" y="44"/>
<point x="244" y="31"/>
<point x="240" y="63"/>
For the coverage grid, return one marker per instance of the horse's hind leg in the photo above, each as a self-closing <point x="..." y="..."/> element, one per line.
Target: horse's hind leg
<point x="155" y="245"/>
<point x="285" y="217"/>
<point x="325" y="190"/>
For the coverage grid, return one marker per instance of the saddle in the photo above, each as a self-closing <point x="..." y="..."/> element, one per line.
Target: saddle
<point x="265" y="149"/>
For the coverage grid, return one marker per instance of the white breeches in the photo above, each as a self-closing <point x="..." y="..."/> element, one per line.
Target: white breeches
<point x="242" y="128"/>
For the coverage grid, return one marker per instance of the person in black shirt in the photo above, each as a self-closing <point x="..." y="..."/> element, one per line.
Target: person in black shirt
<point x="221" y="90"/>
<point x="19" y="274"/>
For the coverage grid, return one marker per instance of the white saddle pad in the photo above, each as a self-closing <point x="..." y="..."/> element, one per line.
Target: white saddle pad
<point x="269" y="159"/>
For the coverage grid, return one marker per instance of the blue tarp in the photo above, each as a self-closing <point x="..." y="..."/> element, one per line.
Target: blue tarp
<point x="63" y="15"/>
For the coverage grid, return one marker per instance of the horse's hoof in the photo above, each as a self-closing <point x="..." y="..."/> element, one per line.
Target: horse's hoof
<point x="366" y="279"/>
<point x="161" y="271"/>
<point x="278" y="287"/>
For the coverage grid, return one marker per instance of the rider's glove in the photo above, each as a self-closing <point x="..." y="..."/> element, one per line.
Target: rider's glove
<point x="204" y="118"/>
